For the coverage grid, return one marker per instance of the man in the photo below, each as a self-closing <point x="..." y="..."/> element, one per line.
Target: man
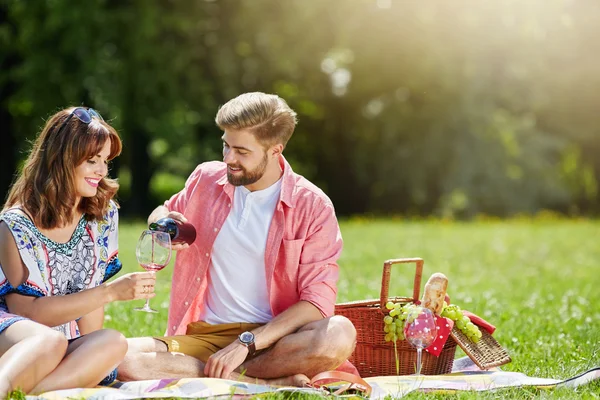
<point x="254" y="295"/>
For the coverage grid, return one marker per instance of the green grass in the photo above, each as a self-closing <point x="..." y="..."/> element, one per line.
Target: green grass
<point x="536" y="280"/>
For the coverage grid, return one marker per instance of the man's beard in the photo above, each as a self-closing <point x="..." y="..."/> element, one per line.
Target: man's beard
<point x="248" y="177"/>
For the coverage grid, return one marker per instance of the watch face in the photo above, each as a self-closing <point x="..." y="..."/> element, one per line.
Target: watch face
<point x="247" y="337"/>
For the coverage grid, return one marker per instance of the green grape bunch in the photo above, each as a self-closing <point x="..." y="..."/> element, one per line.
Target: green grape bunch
<point x="398" y="315"/>
<point x="463" y="323"/>
<point x="394" y="321"/>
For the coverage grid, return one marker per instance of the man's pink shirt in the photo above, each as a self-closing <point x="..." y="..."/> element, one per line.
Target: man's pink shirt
<point x="303" y="244"/>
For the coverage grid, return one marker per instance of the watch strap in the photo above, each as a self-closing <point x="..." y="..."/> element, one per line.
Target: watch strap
<point x="251" y="349"/>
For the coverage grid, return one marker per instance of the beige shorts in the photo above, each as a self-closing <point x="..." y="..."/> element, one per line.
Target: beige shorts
<point x="201" y="340"/>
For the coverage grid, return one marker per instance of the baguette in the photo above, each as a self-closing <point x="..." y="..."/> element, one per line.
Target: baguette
<point x="435" y="292"/>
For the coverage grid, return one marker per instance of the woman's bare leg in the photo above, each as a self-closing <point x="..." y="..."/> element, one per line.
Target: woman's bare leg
<point x="89" y="359"/>
<point x="28" y="353"/>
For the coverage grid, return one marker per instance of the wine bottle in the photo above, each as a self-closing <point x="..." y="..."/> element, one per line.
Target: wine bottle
<point x="180" y="232"/>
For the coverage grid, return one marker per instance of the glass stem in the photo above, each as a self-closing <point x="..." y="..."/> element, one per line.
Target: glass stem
<point x="418" y="361"/>
<point x="147" y="304"/>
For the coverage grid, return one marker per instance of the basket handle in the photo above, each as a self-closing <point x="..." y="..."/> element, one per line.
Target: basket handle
<point x="385" y="279"/>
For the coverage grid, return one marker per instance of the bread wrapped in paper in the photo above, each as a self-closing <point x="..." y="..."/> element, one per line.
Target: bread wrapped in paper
<point x="435" y="292"/>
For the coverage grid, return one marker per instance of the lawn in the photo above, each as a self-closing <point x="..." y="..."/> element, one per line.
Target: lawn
<point x="536" y="280"/>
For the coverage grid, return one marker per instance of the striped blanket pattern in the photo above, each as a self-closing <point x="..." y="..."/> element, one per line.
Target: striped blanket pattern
<point x="396" y="386"/>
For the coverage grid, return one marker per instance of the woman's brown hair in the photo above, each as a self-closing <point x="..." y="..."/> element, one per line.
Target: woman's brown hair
<point x="46" y="188"/>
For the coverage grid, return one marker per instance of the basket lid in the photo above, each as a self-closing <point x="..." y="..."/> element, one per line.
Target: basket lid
<point x="486" y="354"/>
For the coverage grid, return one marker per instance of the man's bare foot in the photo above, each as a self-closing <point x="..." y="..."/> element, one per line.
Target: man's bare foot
<point x="298" y="380"/>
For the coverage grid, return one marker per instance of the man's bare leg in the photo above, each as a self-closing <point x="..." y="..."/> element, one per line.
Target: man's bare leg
<point x="318" y="346"/>
<point x="149" y="358"/>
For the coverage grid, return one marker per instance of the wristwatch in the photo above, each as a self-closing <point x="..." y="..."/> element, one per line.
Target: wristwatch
<point x="247" y="339"/>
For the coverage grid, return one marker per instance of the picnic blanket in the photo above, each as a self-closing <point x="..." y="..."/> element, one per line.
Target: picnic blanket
<point x="467" y="378"/>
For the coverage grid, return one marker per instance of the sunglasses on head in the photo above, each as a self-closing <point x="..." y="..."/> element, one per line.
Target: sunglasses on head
<point x="85" y="115"/>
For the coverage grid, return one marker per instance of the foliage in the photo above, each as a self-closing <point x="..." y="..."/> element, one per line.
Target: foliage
<point x="414" y="108"/>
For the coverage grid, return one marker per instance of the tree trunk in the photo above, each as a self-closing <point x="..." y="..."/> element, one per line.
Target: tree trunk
<point x="336" y="162"/>
<point x="8" y="150"/>
<point x="140" y="204"/>
<point x="8" y="160"/>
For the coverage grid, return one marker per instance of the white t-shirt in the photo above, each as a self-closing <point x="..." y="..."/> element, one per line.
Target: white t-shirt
<point x="237" y="283"/>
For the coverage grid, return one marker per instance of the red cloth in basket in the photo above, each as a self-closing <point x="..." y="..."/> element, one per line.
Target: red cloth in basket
<point x="444" y="327"/>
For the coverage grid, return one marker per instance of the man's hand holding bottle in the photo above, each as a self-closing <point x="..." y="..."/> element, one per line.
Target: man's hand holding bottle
<point x="181" y="231"/>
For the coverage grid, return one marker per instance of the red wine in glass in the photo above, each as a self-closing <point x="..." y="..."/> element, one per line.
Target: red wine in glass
<point x="153" y="252"/>
<point x="152" y="267"/>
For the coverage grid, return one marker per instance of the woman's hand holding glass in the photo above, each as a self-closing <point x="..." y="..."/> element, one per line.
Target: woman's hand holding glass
<point x="133" y="286"/>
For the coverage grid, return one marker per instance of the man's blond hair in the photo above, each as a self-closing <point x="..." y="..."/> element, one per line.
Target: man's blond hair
<point x="267" y="116"/>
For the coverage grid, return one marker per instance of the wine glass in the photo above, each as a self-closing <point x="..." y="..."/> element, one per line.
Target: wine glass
<point x="153" y="252"/>
<point x="420" y="330"/>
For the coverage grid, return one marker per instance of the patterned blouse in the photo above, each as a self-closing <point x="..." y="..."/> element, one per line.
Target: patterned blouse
<point x="56" y="269"/>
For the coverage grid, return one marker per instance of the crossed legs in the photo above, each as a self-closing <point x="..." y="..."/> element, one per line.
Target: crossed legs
<point x="37" y="359"/>
<point x="318" y="346"/>
<point x="29" y="352"/>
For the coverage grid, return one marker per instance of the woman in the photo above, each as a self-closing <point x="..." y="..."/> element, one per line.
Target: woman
<point x="58" y="247"/>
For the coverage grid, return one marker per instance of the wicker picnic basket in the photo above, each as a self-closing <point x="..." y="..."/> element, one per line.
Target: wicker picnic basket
<point x="374" y="357"/>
